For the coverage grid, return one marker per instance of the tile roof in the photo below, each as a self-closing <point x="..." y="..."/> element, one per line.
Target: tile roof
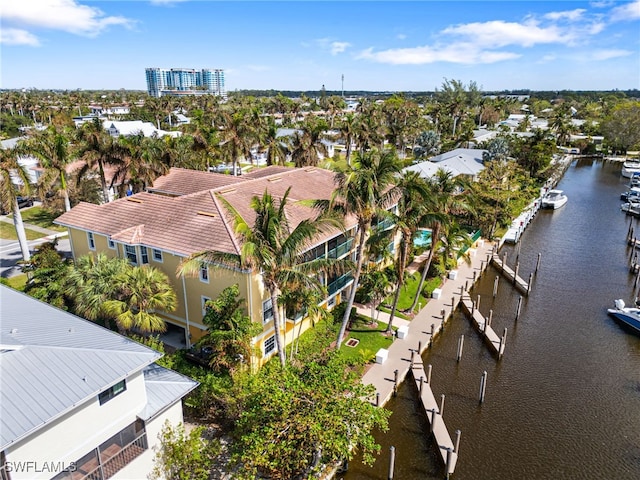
<point x="197" y="220"/>
<point x="52" y="361"/>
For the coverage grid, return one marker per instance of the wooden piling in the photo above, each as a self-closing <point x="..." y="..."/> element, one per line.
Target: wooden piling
<point x="495" y="286"/>
<point x="413" y="353"/>
<point x="483" y="386"/>
<point x="429" y="373"/>
<point x="529" y="284"/>
<point x="421" y="383"/>
<point x="392" y="461"/>
<point x="460" y="346"/>
<point x="478" y="303"/>
<point x="377" y="399"/>
<point x="538" y="262"/>
<point x="433" y="418"/>
<point x="448" y="463"/>
<point x="515" y="275"/>
<point x="456" y="443"/>
<point x="442" y="404"/>
<point x="518" y="308"/>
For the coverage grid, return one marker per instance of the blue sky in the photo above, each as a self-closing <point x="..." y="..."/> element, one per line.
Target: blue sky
<point x="302" y="45"/>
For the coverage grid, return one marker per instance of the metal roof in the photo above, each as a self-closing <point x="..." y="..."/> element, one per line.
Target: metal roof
<point x="164" y="388"/>
<point x="51" y="361"/>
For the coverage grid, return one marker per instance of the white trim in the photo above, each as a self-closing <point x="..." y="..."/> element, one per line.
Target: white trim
<point x="111" y="244"/>
<point x="203" y="300"/>
<point x="204" y="269"/>
<point x="186" y="313"/>
<point x="153" y="255"/>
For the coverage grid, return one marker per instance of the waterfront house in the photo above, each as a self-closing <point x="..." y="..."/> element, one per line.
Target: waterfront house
<point x="183" y="214"/>
<point x="78" y="401"/>
<point x="460" y="161"/>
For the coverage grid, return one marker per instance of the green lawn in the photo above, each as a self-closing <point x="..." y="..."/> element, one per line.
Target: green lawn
<point x="408" y="293"/>
<point x="42" y="218"/>
<point x="17" y="282"/>
<point x="370" y="340"/>
<point x="8" y="232"/>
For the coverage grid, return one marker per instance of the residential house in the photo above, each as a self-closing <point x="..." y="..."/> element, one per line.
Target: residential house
<point x="134" y="127"/>
<point x="183" y="213"/>
<point x="78" y="401"/>
<point x="460" y="161"/>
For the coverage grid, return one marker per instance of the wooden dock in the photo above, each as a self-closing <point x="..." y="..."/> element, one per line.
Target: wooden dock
<point x="446" y="447"/>
<point x="495" y="343"/>
<point x="510" y="274"/>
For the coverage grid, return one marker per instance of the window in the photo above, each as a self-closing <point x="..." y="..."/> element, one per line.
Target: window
<point x="157" y="255"/>
<point x="144" y="255"/>
<point x="204" y="273"/>
<point x="204" y="301"/>
<point x="269" y="345"/>
<point x="130" y="252"/>
<point x="114" y="391"/>
<point x="331" y="302"/>
<point x="112" y="244"/>
<point x="91" y="240"/>
<point x="267" y="310"/>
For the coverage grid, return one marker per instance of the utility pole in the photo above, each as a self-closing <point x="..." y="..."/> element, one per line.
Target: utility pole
<point x="343" y="85"/>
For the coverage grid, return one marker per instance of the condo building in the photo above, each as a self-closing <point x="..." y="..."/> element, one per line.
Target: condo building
<point x="184" y="81"/>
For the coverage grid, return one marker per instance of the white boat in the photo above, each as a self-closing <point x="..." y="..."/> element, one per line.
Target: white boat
<point x="631" y="208"/>
<point x="554" y="199"/>
<point x="629" y="316"/>
<point x="632" y="194"/>
<point x="629" y="168"/>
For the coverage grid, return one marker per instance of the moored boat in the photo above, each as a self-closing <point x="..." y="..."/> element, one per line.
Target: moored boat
<point x="554" y="199"/>
<point x="629" y="316"/>
<point x="629" y="168"/>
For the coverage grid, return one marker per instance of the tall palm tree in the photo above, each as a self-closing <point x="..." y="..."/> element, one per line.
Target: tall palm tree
<point x="238" y="133"/>
<point x="98" y="149"/>
<point x="307" y="144"/>
<point x="145" y="161"/>
<point x="144" y="291"/>
<point x="441" y="202"/>
<point x="277" y="146"/>
<point x="364" y="190"/>
<point x="407" y="219"/>
<point x="347" y="130"/>
<point x="52" y="148"/>
<point x="274" y="250"/>
<point x="9" y="192"/>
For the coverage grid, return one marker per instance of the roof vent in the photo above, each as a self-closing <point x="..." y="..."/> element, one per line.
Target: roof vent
<point x="14" y="331"/>
<point x="207" y="214"/>
<point x="71" y="330"/>
<point x="84" y="379"/>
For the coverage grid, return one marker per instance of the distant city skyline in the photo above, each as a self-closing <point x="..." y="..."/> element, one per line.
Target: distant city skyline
<point x="296" y="45"/>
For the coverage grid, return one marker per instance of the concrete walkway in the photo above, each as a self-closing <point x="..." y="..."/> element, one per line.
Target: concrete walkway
<point x="381" y="376"/>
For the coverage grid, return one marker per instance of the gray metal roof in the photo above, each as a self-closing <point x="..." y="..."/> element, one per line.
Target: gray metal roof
<point x="51" y="361"/>
<point x="164" y="388"/>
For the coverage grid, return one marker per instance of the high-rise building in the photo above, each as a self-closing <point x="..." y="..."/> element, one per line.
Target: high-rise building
<point x="184" y="81"/>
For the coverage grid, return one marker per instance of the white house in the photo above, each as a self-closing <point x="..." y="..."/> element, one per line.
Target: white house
<point x="460" y="161"/>
<point x="134" y="127"/>
<point x="78" y="401"/>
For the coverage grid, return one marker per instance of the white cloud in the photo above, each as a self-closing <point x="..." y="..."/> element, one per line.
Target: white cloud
<point x="627" y="11"/>
<point x="571" y="15"/>
<point x="610" y="53"/>
<point x="65" y="15"/>
<point x="17" y="36"/>
<point x="339" y="47"/>
<point x="499" y="34"/>
<point x="465" y="53"/>
<point x="401" y="36"/>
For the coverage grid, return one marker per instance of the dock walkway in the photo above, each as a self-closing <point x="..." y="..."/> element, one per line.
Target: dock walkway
<point x="510" y="274"/>
<point x="495" y="343"/>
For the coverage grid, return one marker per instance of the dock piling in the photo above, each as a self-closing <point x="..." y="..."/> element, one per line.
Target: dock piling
<point x="433" y="330"/>
<point x="448" y="463"/>
<point x="478" y="303"/>
<point x="495" y="286"/>
<point x="392" y="461"/>
<point x="529" y="284"/>
<point x="518" y="308"/>
<point x="377" y="399"/>
<point x="538" y="262"/>
<point x="453" y="307"/>
<point x="460" y="346"/>
<point x="433" y="418"/>
<point x="442" y="404"/>
<point x="515" y="276"/>
<point x="429" y="374"/>
<point x="421" y="383"/>
<point x="456" y="443"/>
<point x="483" y="385"/>
<point x="413" y="354"/>
<point x="420" y="347"/>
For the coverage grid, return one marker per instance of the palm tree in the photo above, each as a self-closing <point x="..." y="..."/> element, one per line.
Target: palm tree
<point x="53" y="149"/>
<point x="347" y="128"/>
<point x="277" y="146"/>
<point x="272" y="249"/>
<point x="144" y="290"/>
<point x="94" y="280"/>
<point x="239" y="134"/>
<point x="143" y="164"/>
<point x="307" y="144"/>
<point x="407" y="220"/>
<point x="441" y="202"/>
<point x="98" y="149"/>
<point x="364" y="190"/>
<point x="9" y="192"/>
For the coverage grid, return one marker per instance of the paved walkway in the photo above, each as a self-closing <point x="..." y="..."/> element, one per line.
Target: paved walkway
<point x="381" y="376"/>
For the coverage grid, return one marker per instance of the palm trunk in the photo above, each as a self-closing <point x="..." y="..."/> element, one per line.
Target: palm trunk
<point x="276" y="326"/>
<point x="65" y="193"/>
<point x="22" y="236"/>
<point x="402" y="264"/>
<point x="103" y="182"/>
<point x="434" y="236"/>
<point x="354" y="286"/>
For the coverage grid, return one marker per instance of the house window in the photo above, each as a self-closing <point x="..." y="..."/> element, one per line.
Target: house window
<point x="144" y="255"/>
<point x="157" y="255"/>
<point x="269" y="345"/>
<point x="130" y="252"/>
<point x="111" y="392"/>
<point x="267" y="310"/>
<point x="204" y="273"/>
<point x="111" y="243"/>
<point x="331" y="302"/>
<point x="204" y="301"/>
<point x="91" y="240"/>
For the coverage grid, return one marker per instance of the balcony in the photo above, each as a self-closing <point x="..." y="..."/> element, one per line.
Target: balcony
<point x="339" y="283"/>
<point x="341" y="249"/>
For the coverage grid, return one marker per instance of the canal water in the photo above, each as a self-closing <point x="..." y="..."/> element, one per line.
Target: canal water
<point x="564" y="402"/>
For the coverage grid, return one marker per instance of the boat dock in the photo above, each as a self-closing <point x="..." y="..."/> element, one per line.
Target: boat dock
<point x="510" y="274"/>
<point x="403" y="355"/>
<point x="483" y="325"/>
<point x="522" y="221"/>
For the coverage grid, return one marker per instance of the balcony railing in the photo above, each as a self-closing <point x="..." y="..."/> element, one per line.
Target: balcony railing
<point x="339" y="283"/>
<point x="341" y="250"/>
<point x="112" y="461"/>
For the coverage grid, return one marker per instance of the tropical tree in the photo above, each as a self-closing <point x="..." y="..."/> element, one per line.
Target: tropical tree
<point x="10" y="191"/>
<point x="307" y="143"/>
<point x="230" y="331"/>
<point x="53" y="149"/>
<point x="277" y="146"/>
<point x="143" y="291"/>
<point x="427" y="144"/>
<point x="561" y="123"/>
<point x="347" y="130"/>
<point x="621" y="128"/>
<point x="144" y="163"/>
<point x="442" y="200"/>
<point x="274" y="249"/>
<point x="364" y="189"/>
<point x="239" y="134"/>
<point x="47" y="271"/>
